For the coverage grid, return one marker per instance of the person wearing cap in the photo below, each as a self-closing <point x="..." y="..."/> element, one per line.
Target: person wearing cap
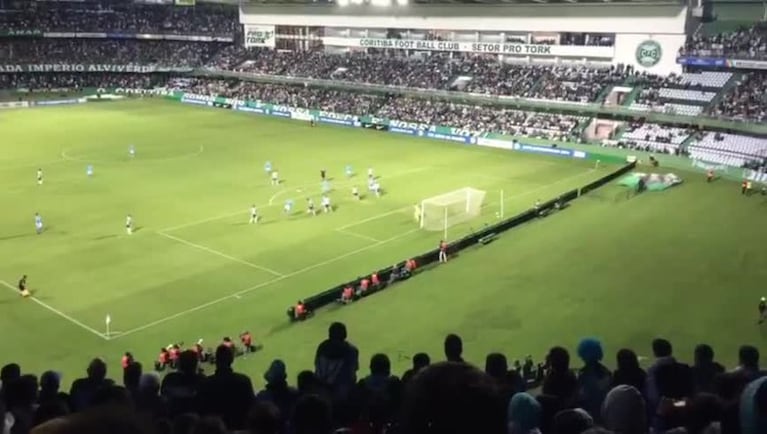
<point x="762" y="309"/>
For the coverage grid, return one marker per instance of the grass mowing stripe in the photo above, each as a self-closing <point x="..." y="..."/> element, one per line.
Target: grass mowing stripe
<point x="223" y="255"/>
<point x="242" y="292"/>
<point x="58" y="312"/>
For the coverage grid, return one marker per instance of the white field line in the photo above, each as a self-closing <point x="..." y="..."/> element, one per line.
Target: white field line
<point x="357" y="235"/>
<point x="373" y="218"/>
<point x="223" y="255"/>
<point x="244" y="211"/>
<point x="66" y="157"/>
<point x="242" y="292"/>
<point x="57" y="312"/>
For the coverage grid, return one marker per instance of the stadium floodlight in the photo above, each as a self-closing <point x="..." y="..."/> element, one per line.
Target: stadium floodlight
<point x="356" y="2"/>
<point x="343" y="3"/>
<point x="381" y="3"/>
<point x="402" y="2"/>
<point x="441" y="212"/>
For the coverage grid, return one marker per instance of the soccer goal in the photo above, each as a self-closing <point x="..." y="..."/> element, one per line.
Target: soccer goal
<point x="441" y="212"/>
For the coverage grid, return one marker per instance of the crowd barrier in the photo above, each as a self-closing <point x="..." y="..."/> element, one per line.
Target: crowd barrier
<point x="333" y="295"/>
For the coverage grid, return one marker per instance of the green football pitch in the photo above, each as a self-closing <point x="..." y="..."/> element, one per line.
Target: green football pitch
<point x="688" y="264"/>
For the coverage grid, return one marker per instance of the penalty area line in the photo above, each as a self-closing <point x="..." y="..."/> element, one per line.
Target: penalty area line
<point x="239" y="294"/>
<point x="58" y="312"/>
<point x="221" y="254"/>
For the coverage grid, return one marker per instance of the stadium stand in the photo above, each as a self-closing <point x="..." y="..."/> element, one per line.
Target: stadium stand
<point x="747" y="42"/>
<point x="746" y="102"/>
<point x="654" y="138"/>
<point x="451" y="394"/>
<point x="731" y="149"/>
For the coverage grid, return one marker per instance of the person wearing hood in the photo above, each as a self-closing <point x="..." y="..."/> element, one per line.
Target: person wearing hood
<point x="594" y="379"/>
<point x="624" y="411"/>
<point x="277" y="390"/>
<point x="572" y="421"/>
<point x="753" y="407"/>
<point x="336" y="362"/>
<point x="524" y="414"/>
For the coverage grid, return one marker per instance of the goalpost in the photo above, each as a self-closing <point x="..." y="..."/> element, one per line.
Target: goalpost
<point x="438" y="213"/>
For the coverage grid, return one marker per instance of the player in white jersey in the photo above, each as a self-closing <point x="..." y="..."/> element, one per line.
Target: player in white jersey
<point x="253" y="214"/>
<point x="129" y="224"/>
<point x="275" y="178"/>
<point x="39" y="176"/>
<point x="38" y="224"/>
<point x="310" y="207"/>
<point x="371" y="183"/>
<point x="356" y="192"/>
<point x="377" y="188"/>
<point x="370" y="173"/>
<point x="326" y="207"/>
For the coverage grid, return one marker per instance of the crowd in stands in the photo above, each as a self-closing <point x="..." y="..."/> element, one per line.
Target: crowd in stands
<point x="164" y="53"/>
<point x="74" y="81"/>
<point x="479" y="119"/>
<point x="120" y="17"/>
<point x="745" y="43"/>
<point x="746" y="102"/>
<point x="446" y="394"/>
<point x="654" y="138"/>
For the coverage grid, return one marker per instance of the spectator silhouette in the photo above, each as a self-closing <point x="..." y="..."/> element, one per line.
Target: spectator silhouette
<point x="226" y="393"/>
<point x="312" y="415"/>
<point x="20" y="401"/>
<point x="753" y="407"/>
<point x="559" y="380"/>
<point x="132" y="377"/>
<point x="210" y="425"/>
<point x="265" y="418"/>
<point x="184" y="423"/>
<point x="524" y="414"/>
<point x="624" y="411"/>
<point x="277" y="391"/>
<point x="509" y="382"/>
<point x="420" y="361"/>
<point x="51" y="402"/>
<point x="181" y="388"/>
<point x="9" y="373"/>
<point x="748" y="367"/>
<point x="377" y="396"/>
<point x="662" y="351"/>
<point x="628" y="371"/>
<point x="705" y="369"/>
<point x="594" y="379"/>
<point x="453" y="348"/>
<point x="84" y="389"/>
<point x="572" y="421"/>
<point x="148" y="400"/>
<point x="453" y="397"/>
<point x="336" y="362"/>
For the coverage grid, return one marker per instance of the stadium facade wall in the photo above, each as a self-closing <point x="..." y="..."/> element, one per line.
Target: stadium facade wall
<point x="647" y="37"/>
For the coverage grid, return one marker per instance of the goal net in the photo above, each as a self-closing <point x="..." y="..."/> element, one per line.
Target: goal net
<point x="450" y="209"/>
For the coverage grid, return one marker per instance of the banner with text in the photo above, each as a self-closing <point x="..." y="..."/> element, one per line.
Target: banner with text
<point x="259" y="36"/>
<point x="717" y="62"/>
<point x="509" y="48"/>
<point x="142" y="36"/>
<point x="81" y="67"/>
<point x="26" y="33"/>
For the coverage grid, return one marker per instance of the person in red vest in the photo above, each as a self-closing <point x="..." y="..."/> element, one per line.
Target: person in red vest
<point x="163" y="360"/>
<point x="300" y="311"/>
<point x="374" y="280"/>
<point x="364" y="286"/>
<point x="442" y="251"/>
<point x="126" y="360"/>
<point x="173" y="354"/>
<point x="247" y="342"/>
<point x="347" y="295"/>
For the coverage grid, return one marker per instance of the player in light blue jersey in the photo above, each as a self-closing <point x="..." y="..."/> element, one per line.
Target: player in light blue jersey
<point x="349" y="171"/>
<point x="89" y="170"/>
<point x="268" y="167"/>
<point x="132" y="151"/>
<point x="38" y="224"/>
<point x="288" y="207"/>
<point x="325" y="186"/>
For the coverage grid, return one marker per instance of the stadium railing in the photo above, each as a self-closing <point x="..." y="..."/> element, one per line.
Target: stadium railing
<point x="426" y="259"/>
